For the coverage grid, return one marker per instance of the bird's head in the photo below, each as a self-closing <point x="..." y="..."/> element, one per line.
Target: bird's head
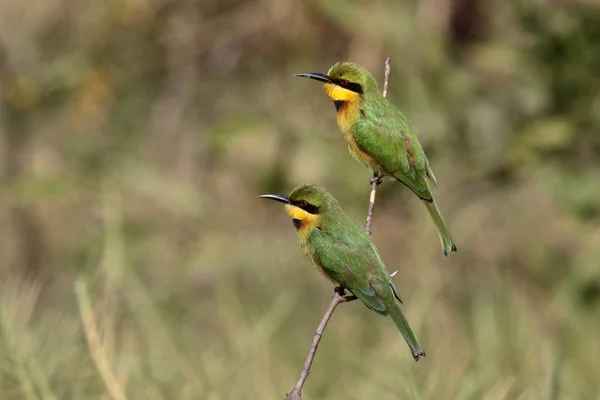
<point x="345" y="81"/>
<point x="306" y="205"/>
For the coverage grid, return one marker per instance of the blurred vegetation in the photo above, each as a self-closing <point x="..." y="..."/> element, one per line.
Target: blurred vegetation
<point x="137" y="263"/>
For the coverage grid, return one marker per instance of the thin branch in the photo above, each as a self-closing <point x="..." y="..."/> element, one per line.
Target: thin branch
<point x="387" y="76"/>
<point x="338" y="297"/>
<point x="376" y="179"/>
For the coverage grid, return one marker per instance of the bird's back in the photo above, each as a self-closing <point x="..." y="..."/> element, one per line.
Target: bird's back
<point x="383" y="139"/>
<point x="347" y="254"/>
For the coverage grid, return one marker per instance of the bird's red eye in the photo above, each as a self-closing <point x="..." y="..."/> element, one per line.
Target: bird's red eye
<point x="303" y="203"/>
<point x="344" y="82"/>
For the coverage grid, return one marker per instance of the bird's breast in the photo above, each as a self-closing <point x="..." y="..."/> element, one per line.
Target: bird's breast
<point x="308" y="250"/>
<point x="355" y="150"/>
<point x="348" y="117"/>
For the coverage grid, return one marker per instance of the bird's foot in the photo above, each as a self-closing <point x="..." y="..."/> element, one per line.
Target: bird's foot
<point x="340" y="290"/>
<point x="350" y="298"/>
<point x="376" y="179"/>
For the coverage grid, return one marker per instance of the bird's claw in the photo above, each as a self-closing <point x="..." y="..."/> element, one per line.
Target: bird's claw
<point x="340" y="290"/>
<point x="376" y="179"/>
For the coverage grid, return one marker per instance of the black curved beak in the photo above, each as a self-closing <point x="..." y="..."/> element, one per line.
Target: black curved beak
<point x="316" y="76"/>
<point x="276" y="197"/>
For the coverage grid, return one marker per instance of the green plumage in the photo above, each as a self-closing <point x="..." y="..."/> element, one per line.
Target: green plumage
<point x="346" y="254"/>
<point x="384" y="134"/>
<point x="379" y="135"/>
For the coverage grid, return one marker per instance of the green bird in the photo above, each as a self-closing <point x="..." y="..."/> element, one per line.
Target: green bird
<point x="345" y="254"/>
<point x="379" y="135"/>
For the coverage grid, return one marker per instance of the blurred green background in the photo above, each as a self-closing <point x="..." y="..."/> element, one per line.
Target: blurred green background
<point x="137" y="263"/>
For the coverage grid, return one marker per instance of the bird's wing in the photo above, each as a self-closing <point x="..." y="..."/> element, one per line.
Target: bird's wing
<point x="356" y="265"/>
<point x="385" y="135"/>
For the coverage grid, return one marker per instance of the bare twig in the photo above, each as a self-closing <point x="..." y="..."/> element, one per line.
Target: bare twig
<point x="338" y="297"/>
<point x="376" y="180"/>
<point x="387" y="76"/>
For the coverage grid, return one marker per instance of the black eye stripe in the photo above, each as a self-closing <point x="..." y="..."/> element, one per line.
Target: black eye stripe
<point x="309" y="208"/>
<point x="352" y="86"/>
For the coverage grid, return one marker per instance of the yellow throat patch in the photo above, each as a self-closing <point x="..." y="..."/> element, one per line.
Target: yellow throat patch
<point x="303" y="220"/>
<point x="347" y="103"/>
<point x="338" y="93"/>
<point x="346" y="116"/>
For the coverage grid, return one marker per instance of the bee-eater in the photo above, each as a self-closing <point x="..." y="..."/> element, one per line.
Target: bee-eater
<point x="345" y="254"/>
<point x="379" y="135"/>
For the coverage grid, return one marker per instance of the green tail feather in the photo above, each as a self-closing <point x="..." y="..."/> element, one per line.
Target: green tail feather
<point x="447" y="243"/>
<point x="404" y="328"/>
